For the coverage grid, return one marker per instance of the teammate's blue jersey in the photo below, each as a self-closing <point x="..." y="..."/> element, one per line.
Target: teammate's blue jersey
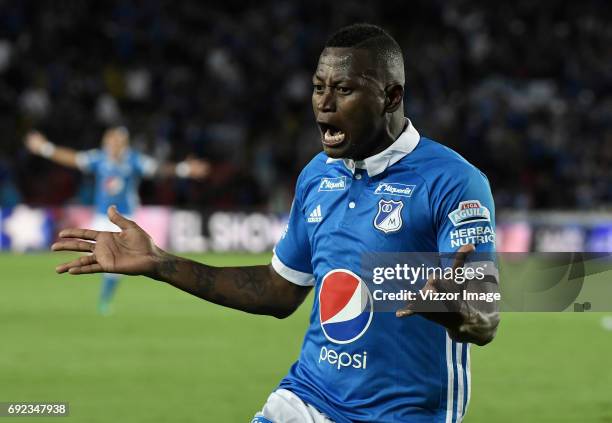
<point x="116" y="182"/>
<point x="416" y="196"/>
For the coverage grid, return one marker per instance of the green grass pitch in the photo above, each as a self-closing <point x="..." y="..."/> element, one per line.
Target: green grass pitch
<point x="164" y="356"/>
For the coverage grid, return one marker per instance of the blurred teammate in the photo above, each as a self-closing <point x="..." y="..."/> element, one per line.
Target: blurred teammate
<point x="378" y="185"/>
<point x="117" y="170"/>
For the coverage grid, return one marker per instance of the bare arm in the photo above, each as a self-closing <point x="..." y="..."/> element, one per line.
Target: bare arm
<point x="190" y="168"/>
<point x="38" y="144"/>
<point x="253" y="289"/>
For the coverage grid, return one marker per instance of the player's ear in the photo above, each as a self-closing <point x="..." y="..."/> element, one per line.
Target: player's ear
<point x="394" y="94"/>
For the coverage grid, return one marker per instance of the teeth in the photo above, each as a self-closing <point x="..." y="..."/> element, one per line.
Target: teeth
<point x="334" y="138"/>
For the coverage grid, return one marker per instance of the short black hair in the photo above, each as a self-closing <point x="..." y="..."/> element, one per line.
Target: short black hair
<point x="373" y="38"/>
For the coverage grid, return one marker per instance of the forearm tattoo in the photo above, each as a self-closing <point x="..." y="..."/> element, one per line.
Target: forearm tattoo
<point x="167" y="268"/>
<point x="251" y="281"/>
<point x="205" y="279"/>
<point x="246" y="288"/>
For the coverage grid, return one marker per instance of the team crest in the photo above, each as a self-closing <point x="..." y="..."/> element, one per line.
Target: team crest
<point x="389" y="216"/>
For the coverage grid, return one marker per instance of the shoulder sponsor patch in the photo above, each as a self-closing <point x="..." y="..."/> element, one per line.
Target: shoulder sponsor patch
<point x="393" y="188"/>
<point x="468" y="212"/>
<point x="333" y="184"/>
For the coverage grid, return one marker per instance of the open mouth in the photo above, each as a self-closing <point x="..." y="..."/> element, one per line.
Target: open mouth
<point x="332" y="135"/>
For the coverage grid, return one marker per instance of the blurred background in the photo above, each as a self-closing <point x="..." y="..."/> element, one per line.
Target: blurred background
<point x="522" y="89"/>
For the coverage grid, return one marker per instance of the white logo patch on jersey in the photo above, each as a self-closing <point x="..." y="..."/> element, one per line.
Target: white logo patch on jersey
<point x="315" y="216"/>
<point x="389" y="216"/>
<point x="393" y="188"/>
<point x="333" y="184"/>
<point x="468" y="212"/>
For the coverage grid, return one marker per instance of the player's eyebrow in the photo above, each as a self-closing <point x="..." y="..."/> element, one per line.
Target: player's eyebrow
<point x="335" y="81"/>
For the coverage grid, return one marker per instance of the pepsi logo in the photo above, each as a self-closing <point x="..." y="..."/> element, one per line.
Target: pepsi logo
<point x="113" y="185"/>
<point x="345" y="306"/>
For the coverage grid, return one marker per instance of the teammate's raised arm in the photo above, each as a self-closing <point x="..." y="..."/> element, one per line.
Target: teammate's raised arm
<point x="189" y="168"/>
<point x="38" y="144"/>
<point x="254" y="289"/>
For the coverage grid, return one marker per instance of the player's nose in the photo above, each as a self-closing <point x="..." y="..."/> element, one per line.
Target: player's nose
<point x="327" y="101"/>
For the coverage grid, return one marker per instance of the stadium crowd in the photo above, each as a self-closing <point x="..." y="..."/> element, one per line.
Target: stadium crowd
<point x="523" y="89"/>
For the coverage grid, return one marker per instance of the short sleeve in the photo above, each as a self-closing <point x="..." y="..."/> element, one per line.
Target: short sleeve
<point x="466" y="215"/>
<point x="292" y="255"/>
<point x="88" y="161"/>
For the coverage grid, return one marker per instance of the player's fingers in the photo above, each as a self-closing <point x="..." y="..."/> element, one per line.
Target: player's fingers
<point x="92" y="268"/>
<point x="28" y="139"/>
<point x="31" y="135"/>
<point x="81" y="261"/>
<point x="204" y="169"/>
<point x="79" y="233"/>
<point x="404" y="312"/>
<point x="73" y="245"/>
<point x="461" y="255"/>
<point x="199" y="169"/>
<point x="118" y="219"/>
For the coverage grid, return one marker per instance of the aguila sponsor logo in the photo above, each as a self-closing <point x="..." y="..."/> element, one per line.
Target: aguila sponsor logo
<point x="468" y="212"/>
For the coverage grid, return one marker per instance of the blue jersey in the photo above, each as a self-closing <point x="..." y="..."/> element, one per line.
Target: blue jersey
<point x="116" y="182"/>
<point x="416" y="196"/>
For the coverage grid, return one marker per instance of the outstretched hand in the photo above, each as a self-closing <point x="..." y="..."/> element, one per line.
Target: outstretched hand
<point x="130" y="252"/>
<point x="430" y="309"/>
<point x="34" y="141"/>
<point x="450" y="314"/>
<point x="198" y="169"/>
<point x="465" y="321"/>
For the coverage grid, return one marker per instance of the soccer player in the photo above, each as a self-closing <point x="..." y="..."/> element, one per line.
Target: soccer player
<point x="117" y="170"/>
<point x="379" y="186"/>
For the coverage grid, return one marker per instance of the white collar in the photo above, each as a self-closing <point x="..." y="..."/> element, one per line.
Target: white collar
<point x="378" y="163"/>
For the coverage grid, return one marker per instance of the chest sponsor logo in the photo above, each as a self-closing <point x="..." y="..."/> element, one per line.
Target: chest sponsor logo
<point x="333" y="184"/>
<point x="345" y="306"/>
<point x="113" y="185"/>
<point x="468" y="212"/>
<point x="392" y="188"/>
<point x="389" y="216"/>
